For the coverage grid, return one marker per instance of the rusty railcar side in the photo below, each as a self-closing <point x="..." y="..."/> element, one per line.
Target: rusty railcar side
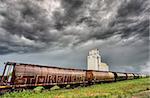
<point x="100" y="76"/>
<point x="34" y="75"/>
<point x="5" y="78"/>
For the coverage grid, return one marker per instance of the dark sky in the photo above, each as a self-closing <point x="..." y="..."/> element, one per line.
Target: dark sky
<point x="61" y="32"/>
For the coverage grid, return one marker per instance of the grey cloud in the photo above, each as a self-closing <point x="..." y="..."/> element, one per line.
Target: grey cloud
<point x="88" y="19"/>
<point x="133" y="18"/>
<point x="27" y="20"/>
<point x="132" y="8"/>
<point x="27" y="27"/>
<point x="72" y="11"/>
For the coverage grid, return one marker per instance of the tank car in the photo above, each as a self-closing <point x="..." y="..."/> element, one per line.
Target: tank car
<point x="99" y="76"/>
<point x="136" y="76"/>
<point x="29" y="75"/>
<point x="120" y="76"/>
<point x="130" y="76"/>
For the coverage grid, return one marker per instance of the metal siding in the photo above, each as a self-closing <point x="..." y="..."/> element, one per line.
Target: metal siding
<point x="19" y="70"/>
<point x="29" y="71"/>
<point x="103" y="76"/>
<point x="28" y="74"/>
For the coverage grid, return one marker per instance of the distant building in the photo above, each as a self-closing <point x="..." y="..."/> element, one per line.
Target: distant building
<point x="94" y="61"/>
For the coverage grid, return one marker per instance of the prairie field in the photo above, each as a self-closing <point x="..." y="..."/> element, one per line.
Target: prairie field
<point x="138" y="88"/>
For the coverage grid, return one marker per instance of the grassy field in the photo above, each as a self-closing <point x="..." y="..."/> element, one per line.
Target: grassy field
<point x="122" y="89"/>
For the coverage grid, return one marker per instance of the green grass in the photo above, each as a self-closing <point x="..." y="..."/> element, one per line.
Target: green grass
<point x="122" y="89"/>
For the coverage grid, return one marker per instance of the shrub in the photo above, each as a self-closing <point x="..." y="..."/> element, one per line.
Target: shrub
<point x="38" y="89"/>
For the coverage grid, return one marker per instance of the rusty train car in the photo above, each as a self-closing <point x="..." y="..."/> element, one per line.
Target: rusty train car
<point x="19" y="75"/>
<point x="29" y="75"/>
<point x="93" y="76"/>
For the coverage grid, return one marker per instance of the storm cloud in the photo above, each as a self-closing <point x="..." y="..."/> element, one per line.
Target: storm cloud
<point x="113" y="26"/>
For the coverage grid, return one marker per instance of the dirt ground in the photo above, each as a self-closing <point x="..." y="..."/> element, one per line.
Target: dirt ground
<point x="143" y="94"/>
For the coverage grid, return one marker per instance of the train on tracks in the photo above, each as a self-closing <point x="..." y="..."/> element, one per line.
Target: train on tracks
<point x="27" y="76"/>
